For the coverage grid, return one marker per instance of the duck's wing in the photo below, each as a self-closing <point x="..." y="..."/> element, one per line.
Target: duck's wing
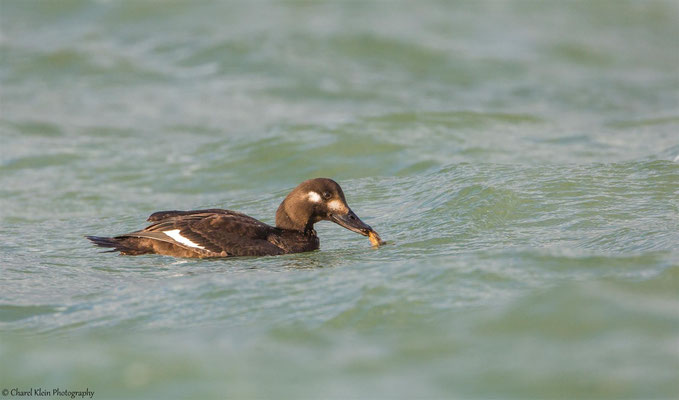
<point x="212" y="232"/>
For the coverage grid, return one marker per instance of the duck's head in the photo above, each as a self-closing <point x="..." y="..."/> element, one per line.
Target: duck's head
<point x="317" y="200"/>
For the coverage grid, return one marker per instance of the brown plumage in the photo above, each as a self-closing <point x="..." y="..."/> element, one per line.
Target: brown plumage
<point x="225" y="233"/>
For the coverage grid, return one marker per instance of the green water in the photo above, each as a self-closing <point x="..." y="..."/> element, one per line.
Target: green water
<point x="520" y="158"/>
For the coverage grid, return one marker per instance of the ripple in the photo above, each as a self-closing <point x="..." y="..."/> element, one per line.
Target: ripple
<point x="40" y="161"/>
<point x="13" y="313"/>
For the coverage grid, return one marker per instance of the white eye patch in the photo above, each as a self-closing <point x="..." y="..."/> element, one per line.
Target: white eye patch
<point x="314" y="197"/>
<point x="174" y="234"/>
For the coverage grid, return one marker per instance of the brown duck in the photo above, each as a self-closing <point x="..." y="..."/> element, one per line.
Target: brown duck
<point x="225" y="233"/>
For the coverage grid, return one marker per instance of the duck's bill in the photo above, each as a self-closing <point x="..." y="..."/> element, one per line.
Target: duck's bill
<point x="351" y="222"/>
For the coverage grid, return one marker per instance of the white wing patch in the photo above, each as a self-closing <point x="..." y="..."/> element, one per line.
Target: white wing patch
<point x="314" y="197"/>
<point x="174" y="234"/>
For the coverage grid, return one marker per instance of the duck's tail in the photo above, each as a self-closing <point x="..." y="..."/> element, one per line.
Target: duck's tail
<point x="121" y="244"/>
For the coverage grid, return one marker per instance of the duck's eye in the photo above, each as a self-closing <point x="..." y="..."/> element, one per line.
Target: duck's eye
<point x="326" y="195"/>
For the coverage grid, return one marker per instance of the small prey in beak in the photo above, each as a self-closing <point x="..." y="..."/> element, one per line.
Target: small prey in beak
<point x="351" y="221"/>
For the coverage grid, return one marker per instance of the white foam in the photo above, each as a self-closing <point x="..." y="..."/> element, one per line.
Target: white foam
<point x="174" y="234"/>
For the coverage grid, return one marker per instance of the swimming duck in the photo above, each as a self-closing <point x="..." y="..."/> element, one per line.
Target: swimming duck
<point x="226" y="233"/>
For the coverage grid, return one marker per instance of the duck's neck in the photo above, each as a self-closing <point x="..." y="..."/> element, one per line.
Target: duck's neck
<point x="285" y="221"/>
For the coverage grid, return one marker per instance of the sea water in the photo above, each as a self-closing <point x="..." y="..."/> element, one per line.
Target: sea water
<point x="518" y="157"/>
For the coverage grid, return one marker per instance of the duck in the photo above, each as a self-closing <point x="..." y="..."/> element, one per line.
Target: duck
<point x="211" y="233"/>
